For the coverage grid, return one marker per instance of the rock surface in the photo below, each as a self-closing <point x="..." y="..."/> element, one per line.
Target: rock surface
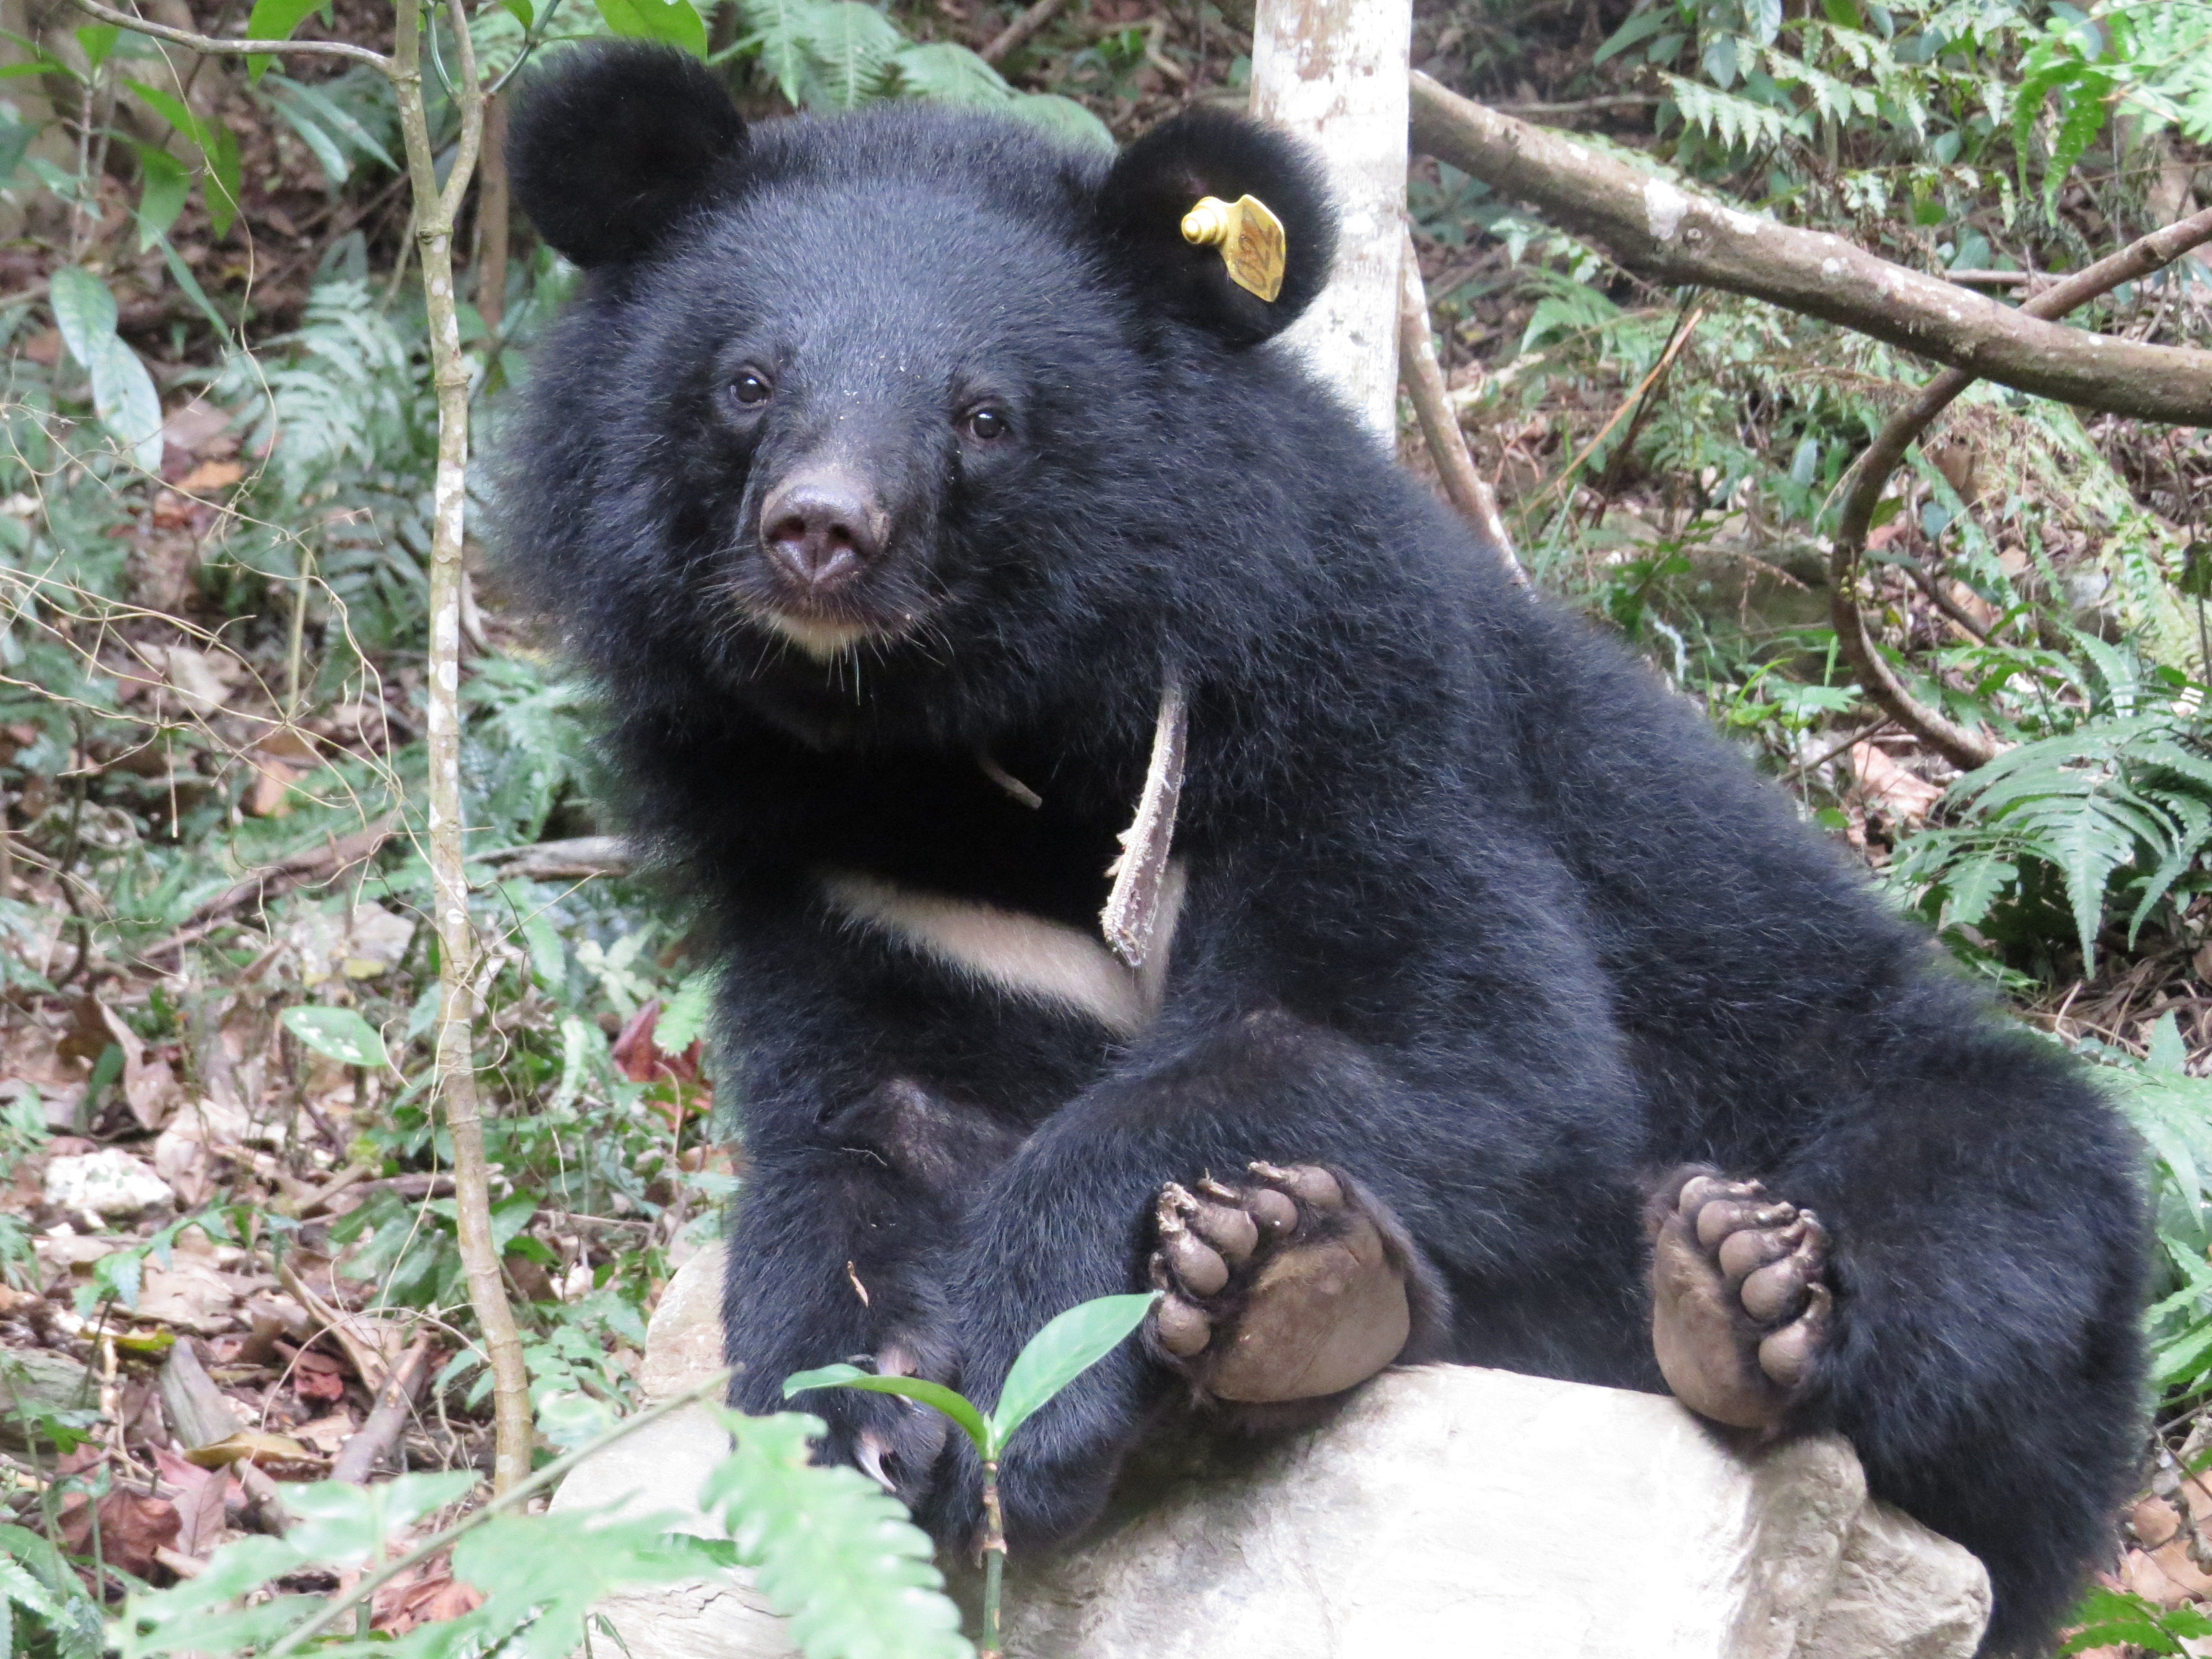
<point x="1445" y="1509"/>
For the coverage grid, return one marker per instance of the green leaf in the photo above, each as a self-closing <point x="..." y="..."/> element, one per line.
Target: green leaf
<point x="162" y="196"/>
<point x="946" y="73"/>
<point x="1640" y="27"/>
<point x="123" y="394"/>
<point x="1065" y="1348"/>
<point x="673" y="21"/>
<point x="831" y="1549"/>
<point x="336" y="118"/>
<point x="84" y="312"/>
<point x="98" y="40"/>
<point x="324" y="149"/>
<point x="1064" y="117"/>
<point x="275" y="20"/>
<point x="851" y="44"/>
<point x="957" y="1407"/>
<point x="683" y="1021"/>
<point x="221" y="184"/>
<point x="338" y="1033"/>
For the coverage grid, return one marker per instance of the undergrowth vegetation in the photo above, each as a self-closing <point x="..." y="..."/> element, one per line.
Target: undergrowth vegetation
<point x="217" y="432"/>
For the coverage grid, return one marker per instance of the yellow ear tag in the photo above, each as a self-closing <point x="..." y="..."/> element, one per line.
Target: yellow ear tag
<point x="1250" y="239"/>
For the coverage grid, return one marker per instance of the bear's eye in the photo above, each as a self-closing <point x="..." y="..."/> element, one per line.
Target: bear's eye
<point x="987" y="424"/>
<point x="750" y="387"/>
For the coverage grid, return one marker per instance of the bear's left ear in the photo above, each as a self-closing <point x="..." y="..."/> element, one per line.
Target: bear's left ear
<point x="610" y="144"/>
<point x="1191" y="270"/>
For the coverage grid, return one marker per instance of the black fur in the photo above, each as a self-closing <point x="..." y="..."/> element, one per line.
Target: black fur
<point x="1476" y="911"/>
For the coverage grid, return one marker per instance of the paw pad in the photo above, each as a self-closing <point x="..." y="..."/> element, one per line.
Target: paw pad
<point x="1278" y="1289"/>
<point x="1741" y="1301"/>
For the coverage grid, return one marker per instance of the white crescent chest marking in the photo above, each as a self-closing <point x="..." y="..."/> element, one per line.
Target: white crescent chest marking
<point x="1012" y="951"/>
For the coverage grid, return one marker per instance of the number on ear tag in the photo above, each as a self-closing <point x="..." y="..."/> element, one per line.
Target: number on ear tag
<point x="1249" y="236"/>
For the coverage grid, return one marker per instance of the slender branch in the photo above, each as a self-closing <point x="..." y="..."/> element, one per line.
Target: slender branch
<point x="1423" y="377"/>
<point x="1870" y="477"/>
<point x="216" y="45"/>
<point x="1017" y="32"/>
<point x="435" y="212"/>
<point x="338" y="1606"/>
<point x="1671" y="235"/>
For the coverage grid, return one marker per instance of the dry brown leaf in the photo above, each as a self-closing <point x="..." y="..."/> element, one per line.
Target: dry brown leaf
<point x="271" y="795"/>
<point x="327" y="1434"/>
<point x="133" y="1526"/>
<point x="211" y="476"/>
<point x="188" y="1294"/>
<point x="199" y="1498"/>
<point x="1902" y="796"/>
<point x="423" y="1595"/>
<point x="282" y="1456"/>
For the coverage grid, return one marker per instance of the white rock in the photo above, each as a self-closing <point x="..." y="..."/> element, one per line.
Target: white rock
<point x="1446" y="1510"/>
<point x="107" y="1182"/>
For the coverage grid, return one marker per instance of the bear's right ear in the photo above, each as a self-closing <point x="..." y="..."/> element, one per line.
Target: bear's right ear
<point x="609" y="146"/>
<point x="1182" y="260"/>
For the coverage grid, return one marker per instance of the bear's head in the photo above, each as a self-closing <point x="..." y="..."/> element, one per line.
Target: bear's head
<point x="893" y="417"/>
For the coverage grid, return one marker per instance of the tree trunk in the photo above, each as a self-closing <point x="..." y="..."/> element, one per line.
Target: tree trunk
<point x="1334" y="71"/>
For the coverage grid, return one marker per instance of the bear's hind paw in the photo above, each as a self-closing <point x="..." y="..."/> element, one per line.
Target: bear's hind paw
<point x="1740" y="1297"/>
<point x="1282" y="1289"/>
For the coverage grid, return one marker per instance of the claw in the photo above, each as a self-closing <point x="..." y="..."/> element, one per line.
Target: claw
<point x="868" y="1452"/>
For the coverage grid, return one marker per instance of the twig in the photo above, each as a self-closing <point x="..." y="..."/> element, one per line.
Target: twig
<point x="209" y="43"/>
<point x="1684" y="327"/>
<point x="308" y="864"/>
<point x="1017" y="33"/>
<point x="1870" y="477"/>
<point x="1423" y="377"/>
<point x="395" y="1404"/>
<point x="435" y="210"/>
<point x="521" y="1491"/>
<point x="1668" y="234"/>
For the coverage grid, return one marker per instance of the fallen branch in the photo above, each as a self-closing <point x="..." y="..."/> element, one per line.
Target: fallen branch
<point x="326" y="861"/>
<point x="395" y="1404"/>
<point x="1870" y="473"/>
<point x="1017" y="32"/>
<point x="1423" y="378"/>
<point x="1670" y="235"/>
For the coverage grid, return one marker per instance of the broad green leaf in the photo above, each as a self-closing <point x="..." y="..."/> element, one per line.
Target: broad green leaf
<point x="123" y="394"/>
<point x="339" y="1033"/>
<point x="84" y="312"/>
<point x="673" y="21"/>
<point x="98" y="40"/>
<point x="1065" y="1348"/>
<point x="957" y="1406"/>
<point x="830" y="1548"/>
<point x="1640" y="27"/>
<point x="275" y="20"/>
<point x="1063" y="116"/>
<point x="162" y="196"/>
<point x="173" y="110"/>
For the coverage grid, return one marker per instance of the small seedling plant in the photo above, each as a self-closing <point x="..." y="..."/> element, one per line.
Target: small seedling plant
<point x="1068" y="1346"/>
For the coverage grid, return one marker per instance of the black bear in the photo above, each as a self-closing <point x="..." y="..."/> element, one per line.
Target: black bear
<point x="925" y="496"/>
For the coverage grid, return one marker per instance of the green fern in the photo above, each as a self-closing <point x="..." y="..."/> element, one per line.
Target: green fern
<point x="830" y="1548"/>
<point x="2122" y="802"/>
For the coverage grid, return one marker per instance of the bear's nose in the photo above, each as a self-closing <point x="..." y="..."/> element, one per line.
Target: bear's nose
<point x="823" y="529"/>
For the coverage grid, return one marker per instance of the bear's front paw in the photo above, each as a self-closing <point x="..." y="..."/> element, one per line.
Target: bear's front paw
<point x="1280" y="1289"/>
<point x="1740" y="1296"/>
